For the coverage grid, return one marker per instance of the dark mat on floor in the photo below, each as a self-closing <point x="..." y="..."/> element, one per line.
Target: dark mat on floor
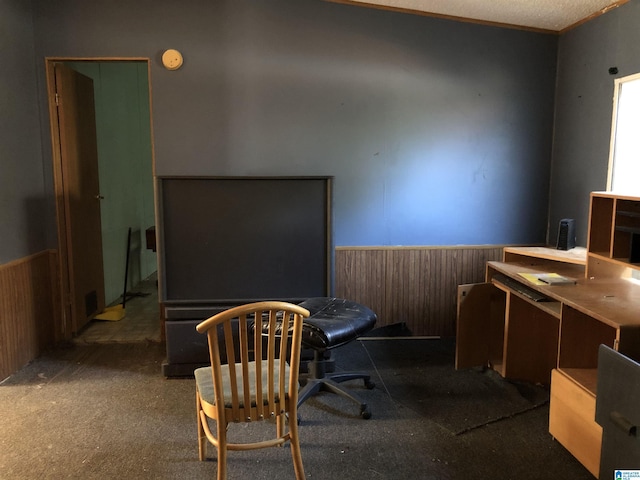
<point x="419" y="374"/>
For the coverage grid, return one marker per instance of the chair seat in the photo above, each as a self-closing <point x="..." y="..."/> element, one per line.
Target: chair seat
<point x="334" y="322"/>
<point x="204" y="381"/>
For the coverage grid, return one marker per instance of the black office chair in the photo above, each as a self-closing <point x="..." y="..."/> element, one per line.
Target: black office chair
<point x="333" y="322"/>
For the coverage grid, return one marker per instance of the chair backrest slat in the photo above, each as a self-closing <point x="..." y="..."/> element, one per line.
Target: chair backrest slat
<point x="271" y="352"/>
<point x="281" y="348"/>
<point x="294" y="355"/>
<point x="244" y="362"/>
<point x="257" y="355"/>
<point x="231" y="368"/>
<point x="284" y="345"/>
<point x="216" y="367"/>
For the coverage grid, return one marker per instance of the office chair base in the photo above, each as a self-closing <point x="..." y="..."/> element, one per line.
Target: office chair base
<point x="319" y="381"/>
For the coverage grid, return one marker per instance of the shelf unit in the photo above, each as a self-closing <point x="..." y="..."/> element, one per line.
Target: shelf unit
<point x="555" y="339"/>
<point x="614" y="235"/>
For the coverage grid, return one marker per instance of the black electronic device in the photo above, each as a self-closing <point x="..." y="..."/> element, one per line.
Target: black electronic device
<point x="566" y="234"/>
<point x="227" y="241"/>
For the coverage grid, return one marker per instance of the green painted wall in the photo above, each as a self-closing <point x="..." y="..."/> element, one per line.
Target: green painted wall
<point x="125" y="167"/>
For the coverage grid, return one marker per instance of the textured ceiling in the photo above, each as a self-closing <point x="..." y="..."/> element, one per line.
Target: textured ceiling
<point x="550" y="15"/>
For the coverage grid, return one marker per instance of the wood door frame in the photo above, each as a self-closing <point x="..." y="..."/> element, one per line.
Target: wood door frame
<point x="64" y="331"/>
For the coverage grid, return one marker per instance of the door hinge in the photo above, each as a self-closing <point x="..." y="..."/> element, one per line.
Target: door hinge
<point x="57" y="100"/>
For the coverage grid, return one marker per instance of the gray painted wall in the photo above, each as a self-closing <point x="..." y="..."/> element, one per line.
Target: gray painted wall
<point x="436" y="132"/>
<point x="23" y="202"/>
<point x="584" y="109"/>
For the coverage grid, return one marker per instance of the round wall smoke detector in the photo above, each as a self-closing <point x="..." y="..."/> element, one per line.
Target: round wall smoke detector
<point x="172" y="59"/>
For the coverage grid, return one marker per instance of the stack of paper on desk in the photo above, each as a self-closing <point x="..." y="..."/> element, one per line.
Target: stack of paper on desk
<point x="548" y="279"/>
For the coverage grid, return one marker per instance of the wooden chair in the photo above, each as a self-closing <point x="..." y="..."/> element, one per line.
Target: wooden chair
<point x="253" y="376"/>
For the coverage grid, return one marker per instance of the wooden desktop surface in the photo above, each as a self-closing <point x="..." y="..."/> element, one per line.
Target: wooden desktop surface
<point x="613" y="301"/>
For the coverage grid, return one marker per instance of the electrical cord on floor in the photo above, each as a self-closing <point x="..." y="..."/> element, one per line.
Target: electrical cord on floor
<point x="376" y="369"/>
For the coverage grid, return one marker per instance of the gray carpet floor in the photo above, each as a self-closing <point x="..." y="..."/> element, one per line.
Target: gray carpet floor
<point x="106" y="412"/>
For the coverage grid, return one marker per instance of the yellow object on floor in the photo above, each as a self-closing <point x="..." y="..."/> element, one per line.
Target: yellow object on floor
<point x="112" y="314"/>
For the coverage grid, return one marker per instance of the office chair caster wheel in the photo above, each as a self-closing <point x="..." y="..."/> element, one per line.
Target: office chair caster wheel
<point x="365" y="413"/>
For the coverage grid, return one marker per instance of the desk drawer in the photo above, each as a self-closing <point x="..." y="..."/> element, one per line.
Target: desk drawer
<point x="572" y="413"/>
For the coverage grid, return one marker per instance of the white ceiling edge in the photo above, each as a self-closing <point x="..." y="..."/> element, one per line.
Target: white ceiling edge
<point x="544" y="15"/>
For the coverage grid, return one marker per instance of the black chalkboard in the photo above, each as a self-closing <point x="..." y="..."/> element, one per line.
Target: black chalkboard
<point x="239" y="239"/>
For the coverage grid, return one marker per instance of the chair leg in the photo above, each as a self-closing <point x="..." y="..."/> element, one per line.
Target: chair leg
<point x="328" y="385"/>
<point x="222" y="449"/>
<point x="346" y="376"/>
<point x="320" y="380"/>
<point x="312" y="387"/>
<point x="294" y="441"/>
<point x="280" y="421"/>
<point x="202" y="438"/>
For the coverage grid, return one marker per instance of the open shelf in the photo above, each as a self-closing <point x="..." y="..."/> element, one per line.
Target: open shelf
<point x="587" y="378"/>
<point x="600" y="224"/>
<point x="624" y="229"/>
<point x="632" y="214"/>
<point x="614" y="233"/>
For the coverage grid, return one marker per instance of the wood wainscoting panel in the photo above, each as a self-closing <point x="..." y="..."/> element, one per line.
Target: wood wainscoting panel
<point x="416" y="286"/>
<point x="409" y="283"/>
<point x="29" y="309"/>
<point x="359" y="276"/>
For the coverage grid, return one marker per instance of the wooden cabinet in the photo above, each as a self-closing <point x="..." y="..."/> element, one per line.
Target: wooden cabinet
<point x="614" y="236"/>
<point x="506" y="322"/>
<point x="550" y="334"/>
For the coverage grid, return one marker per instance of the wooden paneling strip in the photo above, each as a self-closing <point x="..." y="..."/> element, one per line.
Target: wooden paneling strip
<point x="416" y="286"/>
<point x="29" y="309"/>
<point x="359" y="276"/>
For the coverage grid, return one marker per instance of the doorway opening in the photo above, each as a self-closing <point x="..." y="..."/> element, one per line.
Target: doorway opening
<point x="122" y="199"/>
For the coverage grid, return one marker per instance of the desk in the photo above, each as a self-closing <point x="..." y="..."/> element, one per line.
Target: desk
<point x="554" y="341"/>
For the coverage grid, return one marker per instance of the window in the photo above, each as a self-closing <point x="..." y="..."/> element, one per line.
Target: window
<point x="624" y="154"/>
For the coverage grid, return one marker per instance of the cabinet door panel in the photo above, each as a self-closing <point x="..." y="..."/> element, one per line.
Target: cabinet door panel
<point x="480" y="325"/>
<point x="531" y="348"/>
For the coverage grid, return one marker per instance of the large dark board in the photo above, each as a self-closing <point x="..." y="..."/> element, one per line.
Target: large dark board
<point x="232" y="240"/>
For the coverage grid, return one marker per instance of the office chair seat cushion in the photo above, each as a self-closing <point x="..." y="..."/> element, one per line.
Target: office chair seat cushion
<point x="204" y="381"/>
<point x="334" y="322"/>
